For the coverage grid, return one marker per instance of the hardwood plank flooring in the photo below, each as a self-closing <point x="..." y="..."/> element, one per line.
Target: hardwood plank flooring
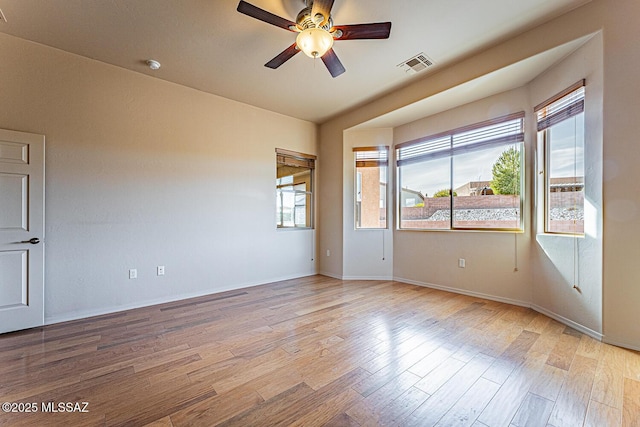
<point x="317" y="351"/>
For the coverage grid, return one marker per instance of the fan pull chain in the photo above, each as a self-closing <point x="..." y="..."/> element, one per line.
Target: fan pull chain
<point x="576" y="273"/>
<point x="515" y="252"/>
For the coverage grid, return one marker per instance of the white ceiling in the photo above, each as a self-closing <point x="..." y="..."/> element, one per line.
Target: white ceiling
<point x="208" y="45"/>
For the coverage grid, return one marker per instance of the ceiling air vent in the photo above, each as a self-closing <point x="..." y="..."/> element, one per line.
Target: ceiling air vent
<point x="416" y="64"/>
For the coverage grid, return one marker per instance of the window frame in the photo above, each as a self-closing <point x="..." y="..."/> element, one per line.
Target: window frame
<point x="303" y="161"/>
<point x="544" y="125"/>
<point x="438" y="140"/>
<point x="371" y="156"/>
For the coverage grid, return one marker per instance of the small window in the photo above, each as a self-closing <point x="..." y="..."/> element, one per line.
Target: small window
<point x="371" y="187"/>
<point x="468" y="178"/>
<point x="561" y="133"/>
<point x="294" y="189"/>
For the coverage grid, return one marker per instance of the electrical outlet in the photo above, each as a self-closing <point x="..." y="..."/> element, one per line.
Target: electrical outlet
<point x="160" y="270"/>
<point x="462" y="263"/>
<point x="328" y="252"/>
<point x="133" y="273"/>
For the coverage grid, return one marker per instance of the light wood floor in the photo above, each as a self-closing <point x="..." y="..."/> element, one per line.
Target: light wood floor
<point x="319" y="351"/>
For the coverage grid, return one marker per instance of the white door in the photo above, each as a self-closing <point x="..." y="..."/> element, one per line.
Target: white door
<point x="21" y="230"/>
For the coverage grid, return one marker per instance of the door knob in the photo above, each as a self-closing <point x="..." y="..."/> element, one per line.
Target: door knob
<point x="33" y="241"/>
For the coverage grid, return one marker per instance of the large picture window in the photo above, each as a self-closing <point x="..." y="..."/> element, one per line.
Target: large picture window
<point x="561" y="133"/>
<point x="294" y="189"/>
<point x="466" y="178"/>
<point x="371" y="187"/>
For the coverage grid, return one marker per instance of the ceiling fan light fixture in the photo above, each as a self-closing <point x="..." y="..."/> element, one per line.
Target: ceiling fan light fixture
<point x="316" y="32"/>
<point x="314" y="42"/>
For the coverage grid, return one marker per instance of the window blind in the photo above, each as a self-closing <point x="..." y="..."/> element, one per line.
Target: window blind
<point x="371" y="156"/>
<point x="560" y="107"/>
<point x="495" y="132"/>
<point x="293" y="158"/>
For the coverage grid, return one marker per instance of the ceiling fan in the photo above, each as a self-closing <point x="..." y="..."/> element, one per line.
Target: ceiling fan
<point x="316" y="32"/>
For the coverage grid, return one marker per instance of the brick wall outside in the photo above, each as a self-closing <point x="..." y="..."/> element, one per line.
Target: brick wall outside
<point x="416" y="217"/>
<point x="432" y="205"/>
<point x="559" y="226"/>
<point x="566" y="199"/>
<point x="444" y="225"/>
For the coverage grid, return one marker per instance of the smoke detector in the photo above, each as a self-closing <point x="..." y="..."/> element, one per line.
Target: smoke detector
<point x="153" y="64"/>
<point x="415" y="64"/>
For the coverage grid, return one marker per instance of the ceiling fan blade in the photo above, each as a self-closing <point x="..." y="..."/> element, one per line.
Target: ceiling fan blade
<point x="378" y="30"/>
<point x="322" y="7"/>
<point x="264" y="16"/>
<point x="283" y="57"/>
<point x="333" y="64"/>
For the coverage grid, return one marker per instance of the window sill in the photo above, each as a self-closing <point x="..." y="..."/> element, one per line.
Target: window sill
<point x="293" y="228"/>
<point x="465" y="230"/>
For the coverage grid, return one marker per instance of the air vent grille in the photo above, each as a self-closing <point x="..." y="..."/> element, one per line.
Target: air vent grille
<point x="416" y="64"/>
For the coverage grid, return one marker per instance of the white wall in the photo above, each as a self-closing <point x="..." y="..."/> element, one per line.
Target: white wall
<point x="431" y="257"/>
<point x="546" y="262"/>
<point x="141" y="172"/>
<point x="367" y="254"/>
<point x="561" y="261"/>
<point x="330" y="204"/>
<point x="617" y="20"/>
<point x="572" y="26"/>
<point x="621" y="227"/>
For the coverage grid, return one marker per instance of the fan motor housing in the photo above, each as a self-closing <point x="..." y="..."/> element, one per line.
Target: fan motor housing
<point x="304" y="20"/>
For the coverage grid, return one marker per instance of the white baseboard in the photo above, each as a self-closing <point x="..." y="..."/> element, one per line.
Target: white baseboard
<point x="382" y="278"/>
<point x="339" y="277"/>
<point x="577" y="326"/>
<point x="465" y="292"/>
<point x="326" y="273"/>
<point x="587" y="331"/>
<point x="67" y="317"/>
<point x="619" y="343"/>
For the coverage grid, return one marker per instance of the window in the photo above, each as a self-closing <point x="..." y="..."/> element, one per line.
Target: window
<point x="561" y="133"/>
<point x="294" y="189"/>
<point x="467" y="178"/>
<point x="371" y="187"/>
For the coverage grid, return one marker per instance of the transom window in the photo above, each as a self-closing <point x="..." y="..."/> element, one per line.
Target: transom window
<point x="466" y="178"/>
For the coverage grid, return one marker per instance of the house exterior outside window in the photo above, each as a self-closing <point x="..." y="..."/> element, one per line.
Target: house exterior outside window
<point x="294" y="189"/>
